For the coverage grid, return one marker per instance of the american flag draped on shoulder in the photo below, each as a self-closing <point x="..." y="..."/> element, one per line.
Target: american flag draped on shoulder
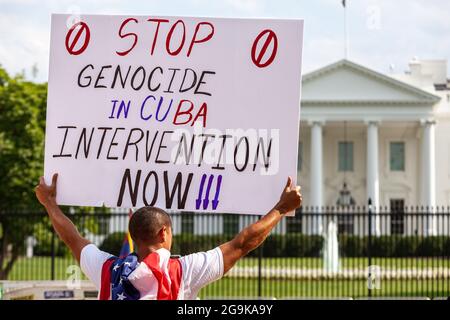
<point x="115" y="282"/>
<point x="118" y="270"/>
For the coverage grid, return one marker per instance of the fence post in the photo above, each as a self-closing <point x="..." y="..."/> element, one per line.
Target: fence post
<point x="369" y="248"/>
<point x="53" y="257"/>
<point x="260" y="256"/>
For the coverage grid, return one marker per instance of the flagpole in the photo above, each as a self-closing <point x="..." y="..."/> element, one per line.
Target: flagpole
<point x="345" y="31"/>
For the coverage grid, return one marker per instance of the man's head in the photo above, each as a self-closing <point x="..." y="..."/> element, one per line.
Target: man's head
<point x="151" y="226"/>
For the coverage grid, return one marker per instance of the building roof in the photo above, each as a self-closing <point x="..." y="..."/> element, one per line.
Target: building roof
<point x="347" y="82"/>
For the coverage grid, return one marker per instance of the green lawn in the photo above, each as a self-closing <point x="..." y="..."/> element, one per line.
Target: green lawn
<point x="39" y="268"/>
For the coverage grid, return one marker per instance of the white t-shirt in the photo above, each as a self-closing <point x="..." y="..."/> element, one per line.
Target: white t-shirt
<point x="198" y="270"/>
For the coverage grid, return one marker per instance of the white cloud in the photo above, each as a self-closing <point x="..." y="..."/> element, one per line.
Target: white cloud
<point x="23" y="45"/>
<point x="248" y="6"/>
<point x="407" y="27"/>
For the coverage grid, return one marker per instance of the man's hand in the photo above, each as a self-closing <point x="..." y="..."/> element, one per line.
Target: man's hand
<point x="47" y="194"/>
<point x="65" y="229"/>
<point x="290" y="198"/>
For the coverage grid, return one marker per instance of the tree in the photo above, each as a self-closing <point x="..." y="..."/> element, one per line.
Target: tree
<point x="22" y="132"/>
<point x="22" y="126"/>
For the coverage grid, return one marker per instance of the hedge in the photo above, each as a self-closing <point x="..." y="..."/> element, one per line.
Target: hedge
<point x="43" y="246"/>
<point x="181" y="243"/>
<point x="113" y="243"/>
<point x="301" y="245"/>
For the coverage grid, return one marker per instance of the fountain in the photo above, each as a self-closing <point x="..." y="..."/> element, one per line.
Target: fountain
<point x="331" y="249"/>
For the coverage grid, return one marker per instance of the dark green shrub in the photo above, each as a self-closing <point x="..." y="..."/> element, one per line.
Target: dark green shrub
<point x="315" y="246"/>
<point x="113" y="243"/>
<point x="293" y="245"/>
<point x="43" y="246"/>
<point x="184" y="244"/>
<point x="446" y="248"/>
<point x="352" y="246"/>
<point x="45" y="249"/>
<point x="274" y="246"/>
<point x="383" y="246"/>
<point x="432" y="246"/>
<point x="406" y="246"/>
<point x="301" y="245"/>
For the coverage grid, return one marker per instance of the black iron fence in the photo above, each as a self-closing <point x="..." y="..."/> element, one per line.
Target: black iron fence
<point x="326" y="252"/>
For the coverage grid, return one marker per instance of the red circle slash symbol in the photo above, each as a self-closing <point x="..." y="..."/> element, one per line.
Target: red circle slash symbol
<point x="80" y="28"/>
<point x="258" y="57"/>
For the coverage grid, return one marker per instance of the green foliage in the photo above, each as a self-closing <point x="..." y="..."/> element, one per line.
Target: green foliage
<point x="22" y="127"/>
<point x="181" y="243"/>
<point x="44" y="236"/>
<point x="352" y="246"/>
<point x="113" y="243"/>
<point x="406" y="246"/>
<point x="301" y="245"/>
<point x="187" y="243"/>
<point x="434" y="246"/>
<point x="274" y="246"/>
<point x="398" y="246"/>
<point x="383" y="246"/>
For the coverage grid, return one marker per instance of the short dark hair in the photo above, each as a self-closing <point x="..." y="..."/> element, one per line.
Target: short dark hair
<point x="146" y="222"/>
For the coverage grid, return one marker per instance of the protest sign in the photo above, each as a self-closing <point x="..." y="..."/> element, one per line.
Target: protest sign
<point x="194" y="114"/>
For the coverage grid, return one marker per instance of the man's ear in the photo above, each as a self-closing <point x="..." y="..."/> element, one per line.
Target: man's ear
<point x="163" y="234"/>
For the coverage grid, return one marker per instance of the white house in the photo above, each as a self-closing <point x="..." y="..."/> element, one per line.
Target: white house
<point x="377" y="136"/>
<point x="386" y="137"/>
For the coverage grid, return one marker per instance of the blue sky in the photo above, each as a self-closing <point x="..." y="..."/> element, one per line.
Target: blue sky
<point x="381" y="32"/>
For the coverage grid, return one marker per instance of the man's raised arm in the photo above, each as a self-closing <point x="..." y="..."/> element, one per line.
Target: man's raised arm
<point x="255" y="234"/>
<point x="65" y="229"/>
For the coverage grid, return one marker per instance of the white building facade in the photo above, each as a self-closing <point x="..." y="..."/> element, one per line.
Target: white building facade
<point x="386" y="137"/>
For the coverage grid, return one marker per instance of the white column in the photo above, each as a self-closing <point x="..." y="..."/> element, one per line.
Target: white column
<point x="208" y="224"/>
<point x="428" y="173"/>
<point x="373" y="182"/>
<point x="316" y="177"/>
<point x="176" y="222"/>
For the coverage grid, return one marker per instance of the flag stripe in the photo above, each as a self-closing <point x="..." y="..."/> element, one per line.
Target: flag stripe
<point x="105" y="286"/>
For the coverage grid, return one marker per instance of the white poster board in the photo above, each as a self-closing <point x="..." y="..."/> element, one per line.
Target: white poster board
<point x="194" y="114"/>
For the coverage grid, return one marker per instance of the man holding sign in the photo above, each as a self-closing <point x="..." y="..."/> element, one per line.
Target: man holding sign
<point x="151" y="273"/>
<point x="174" y="112"/>
<point x="192" y="114"/>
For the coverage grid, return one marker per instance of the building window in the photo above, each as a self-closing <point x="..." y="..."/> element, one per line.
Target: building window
<point x="345" y="156"/>
<point x="397" y="156"/>
<point x="230" y="223"/>
<point x="300" y="156"/>
<point x="294" y="224"/>
<point x="187" y="222"/>
<point x="345" y="223"/>
<point x="397" y="216"/>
